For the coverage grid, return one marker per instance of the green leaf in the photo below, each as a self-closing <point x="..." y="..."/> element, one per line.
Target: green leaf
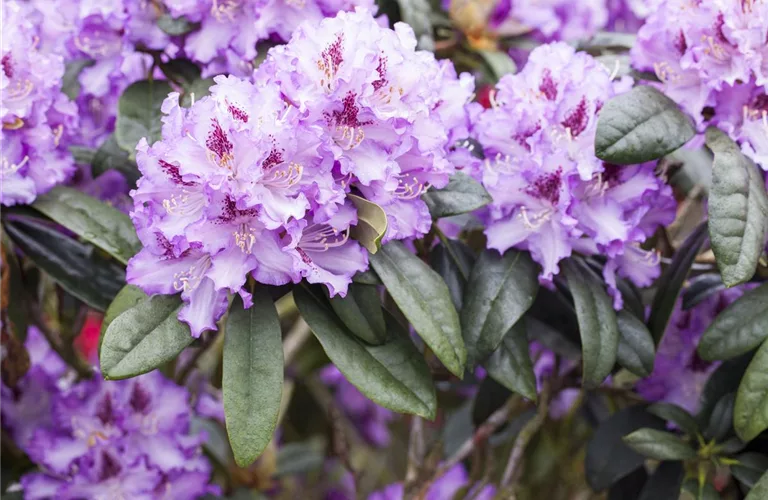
<point x="750" y="415"/>
<point x="16" y="309"/>
<point x="462" y="194"/>
<point x="511" y="366"/>
<point x="693" y="491"/>
<point x="299" y="458"/>
<point x="671" y="281"/>
<point x="424" y="299"/>
<point x="741" y="327"/>
<point x="738" y="210"/>
<point x="636" y="350"/>
<point x="371" y="224"/>
<point x="760" y="490"/>
<point x="110" y="156"/>
<point x="361" y="312"/>
<point x="500" y="290"/>
<point x="176" y="26"/>
<point x="138" y="113"/>
<point x="367" y="277"/>
<point x="721" y="419"/>
<point x="74" y="265"/>
<point x="659" y="445"/>
<point x="394" y="375"/>
<point x="673" y="413"/>
<point x="725" y="379"/>
<point x="196" y="91"/>
<point x="144" y="337"/>
<point x="608" y="458"/>
<point x="94" y="221"/>
<point x="129" y="297"/>
<point x="252" y="375"/>
<point x="499" y="63"/>
<point x="640" y="125"/>
<point x="490" y="396"/>
<point x="417" y="14"/>
<point x="665" y="482"/>
<point x="750" y="469"/>
<point x="608" y="40"/>
<point x="598" y="325"/>
<point x="701" y="288"/>
<point x="70" y="82"/>
<point x="453" y="261"/>
<point x="181" y="71"/>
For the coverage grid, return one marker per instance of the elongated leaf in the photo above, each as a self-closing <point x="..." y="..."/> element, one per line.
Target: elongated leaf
<point x="598" y="325"/>
<point x="129" y="297"/>
<point x="104" y="226"/>
<point x="701" y="288"/>
<point x="371" y="224"/>
<point x="511" y="366"/>
<point x="14" y="295"/>
<point x="367" y="277"/>
<point x="424" y="299"/>
<point x="608" y="458"/>
<point x="750" y="469"/>
<point x="659" y="445"/>
<point x="636" y="350"/>
<point x="110" y="156"/>
<point x="453" y="261"/>
<point x="361" y="312"/>
<point x="393" y="375"/>
<point x="721" y="420"/>
<point x="462" y="194"/>
<point x="252" y="378"/>
<point x="692" y="490"/>
<point x="724" y="380"/>
<point x="739" y="328"/>
<point x="677" y="415"/>
<point x="738" y="210"/>
<point x="182" y="71"/>
<point x="628" y="487"/>
<point x="138" y="113"/>
<point x="665" y="482"/>
<point x="640" y="125"/>
<point x="671" y="281"/>
<point x="73" y="264"/>
<point x="144" y="337"/>
<point x="499" y="63"/>
<point x="196" y="91"/>
<point x="760" y="490"/>
<point x="750" y="414"/>
<point x="500" y="290"/>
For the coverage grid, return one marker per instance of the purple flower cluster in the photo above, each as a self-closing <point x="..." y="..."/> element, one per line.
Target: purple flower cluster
<point x="444" y="487"/>
<point x="551" y="194"/>
<point x="37" y="118"/>
<point x="230" y="29"/>
<point x="127" y="439"/>
<point x="370" y="419"/>
<point x="712" y="59"/>
<point x="679" y="374"/>
<point x="255" y="178"/>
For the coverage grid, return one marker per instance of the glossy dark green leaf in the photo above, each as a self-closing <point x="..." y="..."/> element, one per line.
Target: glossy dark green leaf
<point x="418" y="15"/>
<point x="299" y="458"/>
<point x="598" y="325"/>
<point x="608" y="458"/>
<point x="760" y="490"/>
<point x="175" y="26"/>
<point x="138" y="113"/>
<point x="94" y="221"/>
<point x="129" y="297"/>
<point x="424" y="299"/>
<point x="72" y="264"/>
<point x="640" y="125"/>
<point x="181" y="71"/>
<point x="393" y="375"/>
<point x="671" y="281"/>
<point x="499" y="63"/>
<point x="731" y="445"/>
<point x="144" y="337"/>
<point x="701" y="288"/>
<point x="603" y="40"/>
<point x="636" y="350"/>
<point x="739" y="328"/>
<point x="371" y="224"/>
<point x="693" y="491"/>
<point x="725" y="379"/>
<point x="500" y="290"/>
<point x="677" y="415"/>
<point x="628" y="487"/>
<point x="665" y="482"/>
<point x="110" y="156"/>
<point x="17" y="318"/>
<point x="750" y="469"/>
<point x="659" y="445"/>
<point x="511" y="366"/>
<point x="361" y="312"/>
<point x="70" y="82"/>
<point x="721" y="419"/>
<point x="462" y="194"/>
<point x="453" y="260"/>
<point x="738" y="210"/>
<point x="252" y="375"/>
<point x="367" y="277"/>
<point x="196" y="91"/>
<point x="750" y="414"/>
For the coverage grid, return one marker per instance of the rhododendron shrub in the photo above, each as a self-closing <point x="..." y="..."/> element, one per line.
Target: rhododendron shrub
<point x="349" y="249"/>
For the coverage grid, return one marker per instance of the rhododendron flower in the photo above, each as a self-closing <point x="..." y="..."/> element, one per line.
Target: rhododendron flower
<point x="551" y="194"/>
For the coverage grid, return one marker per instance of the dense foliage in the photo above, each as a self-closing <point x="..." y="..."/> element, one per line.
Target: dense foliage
<point x="347" y="249"/>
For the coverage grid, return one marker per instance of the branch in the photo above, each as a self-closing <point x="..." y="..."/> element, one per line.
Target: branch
<point x="295" y="339"/>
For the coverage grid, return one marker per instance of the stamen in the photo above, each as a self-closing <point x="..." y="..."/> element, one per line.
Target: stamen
<point x="285" y="177"/>
<point x="321" y="237"/>
<point x="16" y="124"/>
<point x="12" y="168"/>
<point x="537" y="220"/>
<point x="184" y="204"/>
<point x="188" y="280"/>
<point x="410" y="191"/>
<point x="224" y="9"/>
<point x="245" y="238"/>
